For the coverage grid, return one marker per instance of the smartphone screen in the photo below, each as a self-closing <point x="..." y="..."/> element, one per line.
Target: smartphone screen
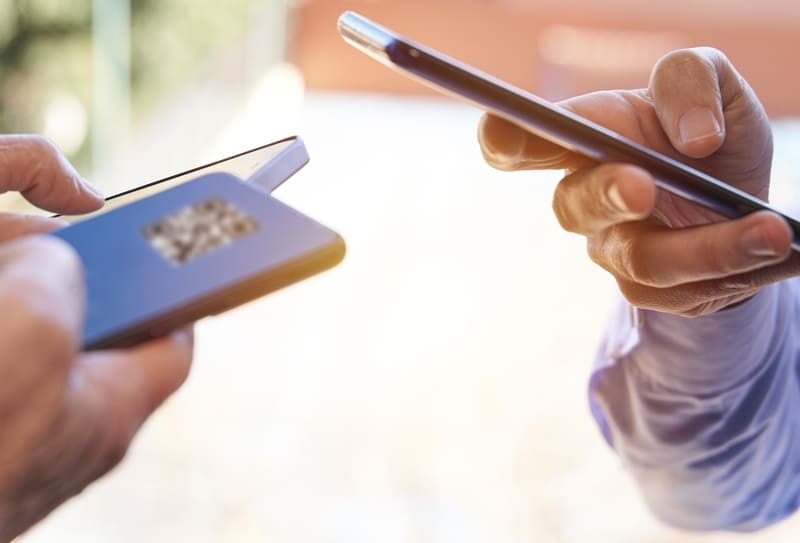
<point x="249" y="165"/>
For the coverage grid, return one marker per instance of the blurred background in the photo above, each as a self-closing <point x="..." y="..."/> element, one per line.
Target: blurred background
<point x="431" y="388"/>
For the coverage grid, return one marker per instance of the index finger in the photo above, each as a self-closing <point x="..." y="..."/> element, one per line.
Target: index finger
<point x="123" y="387"/>
<point x="110" y="395"/>
<point x="507" y="146"/>
<point x="33" y="166"/>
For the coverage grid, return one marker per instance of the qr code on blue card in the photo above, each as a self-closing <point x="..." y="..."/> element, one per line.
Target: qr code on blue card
<point x="198" y="229"/>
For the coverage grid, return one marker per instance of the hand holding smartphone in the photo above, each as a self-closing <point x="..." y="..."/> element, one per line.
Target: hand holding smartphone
<point x="547" y="120"/>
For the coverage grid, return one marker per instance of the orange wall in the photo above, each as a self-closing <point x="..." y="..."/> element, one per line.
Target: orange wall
<point x="506" y="40"/>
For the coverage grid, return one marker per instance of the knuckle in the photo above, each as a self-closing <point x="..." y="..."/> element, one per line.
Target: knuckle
<point x="47" y="157"/>
<point x="102" y="454"/>
<point x="697" y="311"/>
<point x="734" y="285"/>
<point x="607" y="250"/>
<point x="701" y="306"/>
<point x="88" y="450"/>
<point x="716" y="256"/>
<point x="43" y="146"/>
<point x="574" y="202"/>
<point x="114" y="452"/>
<point x="594" y="248"/>
<point x="656" y="299"/>
<point x="628" y="260"/>
<point x="629" y="293"/>
<point x="633" y="293"/>
<point x="639" y="271"/>
<point x="561" y="209"/>
<point x="601" y="251"/>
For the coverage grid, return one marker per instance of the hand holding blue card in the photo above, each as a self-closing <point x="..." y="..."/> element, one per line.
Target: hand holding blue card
<point x="197" y="249"/>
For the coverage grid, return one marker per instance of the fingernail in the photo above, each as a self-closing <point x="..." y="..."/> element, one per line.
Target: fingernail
<point x="757" y="244"/>
<point x="697" y="124"/>
<point x="615" y="196"/>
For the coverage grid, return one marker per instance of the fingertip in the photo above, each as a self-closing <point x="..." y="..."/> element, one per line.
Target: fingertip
<point x="502" y="142"/>
<point x="92" y="191"/>
<point x="86" y="197"/>
<point x="636" y="188"/>
<point x="167" y="362"/>
<point x="768" y="234"/>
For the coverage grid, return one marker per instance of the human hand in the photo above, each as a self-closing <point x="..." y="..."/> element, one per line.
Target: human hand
<point x="66" y="417"/>
<point x="666" y="253"/>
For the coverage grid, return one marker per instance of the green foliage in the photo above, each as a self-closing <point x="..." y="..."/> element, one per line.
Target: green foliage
<point x="46" y="51"/>
<point x="174" y="38"/>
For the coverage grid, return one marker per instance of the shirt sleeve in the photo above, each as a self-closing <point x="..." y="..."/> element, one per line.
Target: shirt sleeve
<point x="705" y="412"/>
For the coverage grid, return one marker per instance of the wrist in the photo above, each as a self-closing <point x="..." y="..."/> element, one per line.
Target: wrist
<point x="715" y="352"/>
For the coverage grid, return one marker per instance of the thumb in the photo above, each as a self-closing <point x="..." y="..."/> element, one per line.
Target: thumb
<point x="690" y="88"/>
<point x="33" y="166"/>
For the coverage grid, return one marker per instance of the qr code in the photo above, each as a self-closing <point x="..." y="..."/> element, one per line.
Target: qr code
<point x="198" y="229"/>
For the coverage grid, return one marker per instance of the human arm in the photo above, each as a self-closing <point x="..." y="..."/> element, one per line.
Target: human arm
<point x="66" y="417"/>
<point x="703" y="413"/>
<point x="672" y="261"/>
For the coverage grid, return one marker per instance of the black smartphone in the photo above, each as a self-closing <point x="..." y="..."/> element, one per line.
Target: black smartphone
<point x="200" y="247"/>
<point x="547" y="120"/>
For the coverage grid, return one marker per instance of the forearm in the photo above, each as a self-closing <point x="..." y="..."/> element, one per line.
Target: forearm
<point x="701" y="411"/>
